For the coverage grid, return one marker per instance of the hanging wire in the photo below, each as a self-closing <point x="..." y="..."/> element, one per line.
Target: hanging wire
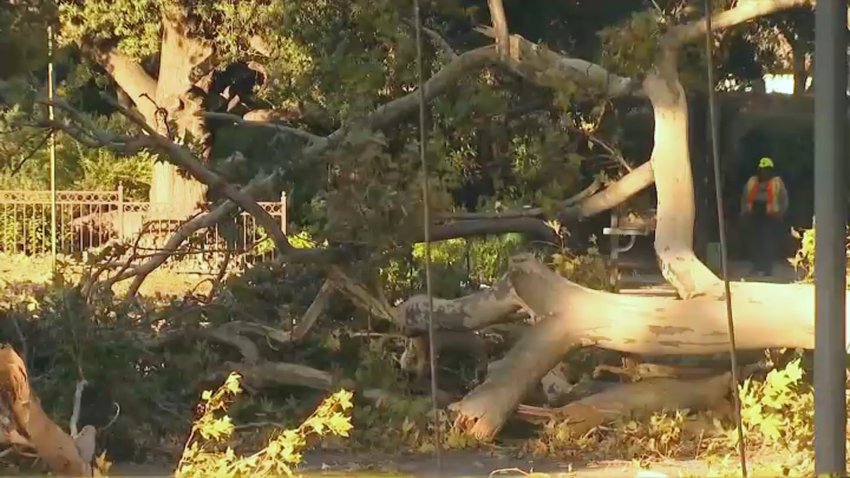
<point x="721" y="224"/>
<point x="427" y="233"/>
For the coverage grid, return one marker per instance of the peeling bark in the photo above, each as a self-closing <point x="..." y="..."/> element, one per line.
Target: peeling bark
<point x="471" y="312"/>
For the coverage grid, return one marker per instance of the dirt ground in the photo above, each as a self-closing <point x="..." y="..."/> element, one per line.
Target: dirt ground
<point x="464" y="464"/>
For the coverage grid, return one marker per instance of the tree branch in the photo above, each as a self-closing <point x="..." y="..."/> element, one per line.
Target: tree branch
<point x="583" y="195"/>
<point x="392" y="112"/>
<point x="500" y="27"/>
<point x="438" y="40"/>
<point x="129" y="75"/>
<point x="544" y="67"/>
<point x="181" y="156"/>
<point x="529" y="226"/>
<point x="238" y="120"/>
<point x="317" y="308"/>
<point x="617" y="193"/>
<point x="744" y="11"/>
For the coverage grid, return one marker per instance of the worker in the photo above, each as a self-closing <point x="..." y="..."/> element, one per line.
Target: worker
<point x="763" y="207"/>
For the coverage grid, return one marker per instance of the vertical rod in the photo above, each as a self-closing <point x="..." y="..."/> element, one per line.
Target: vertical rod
<point x="283" y="218"/>
<point x="426" y="203"/>
<point x="831" y="215"/>
<point x="121" y="230"/>
<point x="50" y="96"/>
<point x="721" y="226"/>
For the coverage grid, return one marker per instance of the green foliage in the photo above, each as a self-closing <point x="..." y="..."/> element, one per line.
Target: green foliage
<point x="23" y="47"/>
<point x="135" y="25"/>
<point x="460" y="264"/>
<point x="202" y="456"/>
<point x="101" y="170"/>
<point x="26" y="164"/>
<point x="777" y="413"/>
<point x="778" y="420"/>
<point x="629" y="49"/>
<point x="589" y="269"/>
<point x="804" y="259"/>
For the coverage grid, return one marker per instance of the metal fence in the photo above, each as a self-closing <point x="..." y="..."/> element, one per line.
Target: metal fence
<point x="86" y="220"/>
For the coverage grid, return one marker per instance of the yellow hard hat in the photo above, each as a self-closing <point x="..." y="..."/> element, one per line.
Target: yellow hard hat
<point x="765" y="163"/>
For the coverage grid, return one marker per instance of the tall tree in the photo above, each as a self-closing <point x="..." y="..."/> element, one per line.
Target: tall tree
<point x="163" y="56"/>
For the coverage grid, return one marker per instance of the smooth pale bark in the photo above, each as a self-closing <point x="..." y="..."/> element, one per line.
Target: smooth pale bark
<point x="500" y="26"/>
<point x="670" y="158"/>
<point x="545" y="67"/>
<point x="767" y="316"/>
<point x="676" y="212"/>
<point x="489" y="306"/>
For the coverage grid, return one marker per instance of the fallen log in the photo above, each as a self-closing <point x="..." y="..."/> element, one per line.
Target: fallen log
<point x="646" y="396"/>
<point x="23" y="421"/>
<point x="264" y="374"/>
<point x="767" y="316"/>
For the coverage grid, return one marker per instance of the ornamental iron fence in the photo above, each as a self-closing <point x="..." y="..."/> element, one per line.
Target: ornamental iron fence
<point x="87" y="220"/>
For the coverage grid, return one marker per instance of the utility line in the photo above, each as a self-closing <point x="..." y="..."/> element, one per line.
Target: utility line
<point x="721" y="224"/>
<point x="426" y="204"/>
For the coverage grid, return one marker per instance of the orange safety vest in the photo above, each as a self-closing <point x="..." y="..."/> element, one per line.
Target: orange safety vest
<point x="773" y="185"/>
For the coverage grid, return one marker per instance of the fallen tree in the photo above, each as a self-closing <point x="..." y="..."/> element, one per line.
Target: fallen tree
<point x="573" y="316"/>
<point x="24" y="424"/>
<point x="567" y="315"/>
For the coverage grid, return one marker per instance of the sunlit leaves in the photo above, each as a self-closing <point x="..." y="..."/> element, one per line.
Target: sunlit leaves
<point x="777" y="413"/>
<point x="133" y="24"/>
<point x="281" y="454"/>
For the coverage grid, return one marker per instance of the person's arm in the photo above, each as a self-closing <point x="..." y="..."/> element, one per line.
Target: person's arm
<point x="744" y="195"/>
<point x="783" y="198"/>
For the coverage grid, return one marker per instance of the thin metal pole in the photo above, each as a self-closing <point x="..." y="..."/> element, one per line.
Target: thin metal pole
<point x="427" y="232"/>
<point x="121" y="230"/>
<point x="721" y="225"/>
<point x="830" y="255"/>
<point x="283" y="219"/>
<point x="50" y="96"/>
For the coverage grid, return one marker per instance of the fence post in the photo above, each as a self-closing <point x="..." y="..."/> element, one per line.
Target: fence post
<point x="121" y="211"/>
<point x="283" y="219"/>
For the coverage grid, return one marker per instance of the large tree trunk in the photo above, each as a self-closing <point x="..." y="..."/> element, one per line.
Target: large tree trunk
<point x="671" y="161"/>
<point x="767" y="316"/>
<point x="171" y="105"/>
<point x="798" y="63"/>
